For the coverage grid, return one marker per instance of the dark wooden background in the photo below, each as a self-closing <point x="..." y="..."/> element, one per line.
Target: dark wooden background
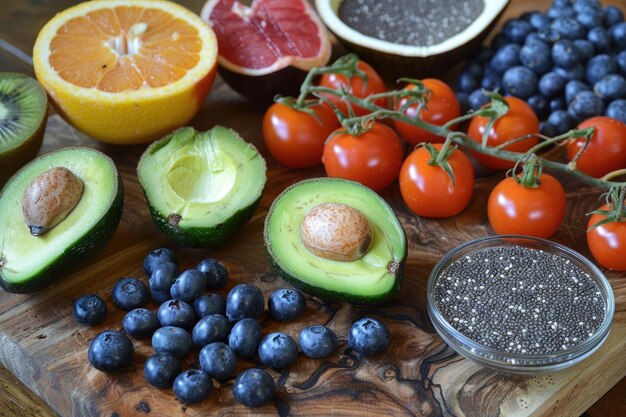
<point x="34" y="327"/>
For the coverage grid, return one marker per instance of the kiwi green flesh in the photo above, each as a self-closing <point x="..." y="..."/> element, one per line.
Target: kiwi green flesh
<point x="23" y="106"/>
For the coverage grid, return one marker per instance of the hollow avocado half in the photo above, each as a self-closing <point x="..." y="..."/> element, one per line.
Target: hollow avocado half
<point x="372" y="279"/>
<point x="202" y="186"/>
<point x="29" y="263"/>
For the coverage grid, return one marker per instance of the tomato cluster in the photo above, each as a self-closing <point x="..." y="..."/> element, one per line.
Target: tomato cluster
<point x="438" y="186"/>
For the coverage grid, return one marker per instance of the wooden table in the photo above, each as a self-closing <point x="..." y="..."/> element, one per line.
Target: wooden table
<point x="418" y="375"/>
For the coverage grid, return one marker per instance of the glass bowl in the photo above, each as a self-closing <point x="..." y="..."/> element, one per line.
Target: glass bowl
<point x="525" y="364"/>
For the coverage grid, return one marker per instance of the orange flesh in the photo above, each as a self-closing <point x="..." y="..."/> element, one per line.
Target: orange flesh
<point x="124" y="48"/>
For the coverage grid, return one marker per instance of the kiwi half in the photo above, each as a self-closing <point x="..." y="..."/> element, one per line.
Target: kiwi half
<point x="23" y="115"/>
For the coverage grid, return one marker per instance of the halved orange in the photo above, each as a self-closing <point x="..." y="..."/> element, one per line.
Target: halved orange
<point x="126" y="71"/>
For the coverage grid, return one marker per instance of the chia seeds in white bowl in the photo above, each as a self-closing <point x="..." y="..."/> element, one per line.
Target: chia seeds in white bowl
<point x="519" y="304"/>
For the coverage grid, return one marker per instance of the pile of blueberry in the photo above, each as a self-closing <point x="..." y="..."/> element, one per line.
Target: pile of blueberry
<point x="223" y="329"/>
<point x="568" y="63"/>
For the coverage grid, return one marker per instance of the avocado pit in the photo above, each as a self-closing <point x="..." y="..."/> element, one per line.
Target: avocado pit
<point x="336" y="232"/>
<point x="49" y="198"/>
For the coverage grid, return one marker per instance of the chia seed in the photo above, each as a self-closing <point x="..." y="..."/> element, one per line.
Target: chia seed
<point x="410" y="22"/>
<point x="520" y="300"/>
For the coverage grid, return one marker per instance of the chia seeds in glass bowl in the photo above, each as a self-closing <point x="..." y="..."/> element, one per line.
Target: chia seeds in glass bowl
<point x="410" y="22"/>
<point x="520" y="304"/>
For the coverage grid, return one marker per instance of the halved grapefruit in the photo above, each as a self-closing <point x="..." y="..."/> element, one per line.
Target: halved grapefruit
<point x="126" y="71"/>
<point x="268" y="47"/>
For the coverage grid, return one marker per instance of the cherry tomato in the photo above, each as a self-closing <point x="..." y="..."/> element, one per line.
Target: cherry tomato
<point x="606" y="151"/>
<point x="521" y="120"/>
<point x="443" y="106"/>
<point x="356" y="86"/>
<point x="607" y="242"/>
<point x="373" y="158"/>
<point x="514" y="209"/>
<point x="295" y="138"/>
<point x="428" y="189"/>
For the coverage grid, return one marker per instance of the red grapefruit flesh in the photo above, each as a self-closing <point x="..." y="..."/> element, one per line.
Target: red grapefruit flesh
<point x="267" y="48"/>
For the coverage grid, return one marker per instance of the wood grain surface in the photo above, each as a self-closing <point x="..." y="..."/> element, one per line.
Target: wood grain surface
<point x="418" y="375"/>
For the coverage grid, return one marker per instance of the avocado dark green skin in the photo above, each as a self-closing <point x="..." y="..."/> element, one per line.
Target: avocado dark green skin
<point x="91" y="242"/>
<point x="203" y="237"/>
<point x="328" y="295"/>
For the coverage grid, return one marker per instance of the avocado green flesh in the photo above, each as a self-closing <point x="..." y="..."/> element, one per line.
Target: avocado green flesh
<point x="201" y="186"/>
<point x="87" y="227"/>
<point x="374" y="276"/>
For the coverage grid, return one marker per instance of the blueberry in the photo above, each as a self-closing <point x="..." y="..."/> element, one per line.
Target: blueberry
<point x="176" y="313"/>
<point x="575" y="73"/>
<point x="254" y="388"/>
<point x="110" y="351"/>
<point x="188" y="286"/>
<point x="585" y="105"/>
<point x="140" y="323"/>
<point x="599" y="67"/>
<point x="209" y="329"/>
<point x="156" y="257"/>
<point x="499" y="41"/>
<point x="565" y="54"/>
<point x="612" y="16"/>
<point x="562" y="3"/>
<point x="192" y="386"/>
<point x="244" y="337"/>
<point x="130" y="293"/>
<point x="160" y="297"/>
<point x="317" y="341"/>
<point x="617" y="110"/>
<point x="478" y="99"/>
<point x="539" y="21"/>
<point x="536" y="56"/>
<point x="618" y="35"/>
<point x="243" y="301"/>
<point x="548" y="129"/>
<point x="209" y="304"/>
<point x="548" y="35"/>
<point x="551" y="85"/>
<point x="540" y="105"/>
<point x="218" y="360"/>
<point x="491" y="81"/>
<point x="562" y="121"/>
<point x="585" y="48"/>
<point x="174" y="340"/>
<point x="568" y="28"/>
<point x="89" y="309"/>
<point x="368" y="336"/>
<point x="506" y="57"/>
<point x="589" y="20"/>
<point x="611" y="87"/>
<point x="600" y="39"/>
<point x="516" y="30"/>
<point x="286" y="304"/>
<point x="463" y="99"/>
<point x="216" y="273"/>
<point x="161" y="369"/>
<point x="558" y="104"/>
<point x="467" y="82"/>
<point x="278" y="350"/>
<point x="474" y="69"/>
<point x="163" y="277"/>
<point x="520" y="82"/>
<point x="574" y="87"/>
<point x="620" y="61"/>
<point x="556" y="12"/>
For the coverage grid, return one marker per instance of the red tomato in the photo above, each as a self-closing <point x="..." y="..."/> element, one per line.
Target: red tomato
<point x="521" y="120"/>
<point x="373" y="158"/>
<point x="607" y="148"/>
<point x="514" y="209"/>
<point x="607" y="242"/>
<point x="428" y="189"/>
<point x="295" y="138"/>
<point x="443" y="106"/>
<point x="356" y="86"/>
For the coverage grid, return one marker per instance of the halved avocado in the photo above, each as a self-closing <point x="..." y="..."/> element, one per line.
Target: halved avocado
<point x="371" y="279"/>
<point x="29" y="263"/>
<point x="202" y="186"/>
